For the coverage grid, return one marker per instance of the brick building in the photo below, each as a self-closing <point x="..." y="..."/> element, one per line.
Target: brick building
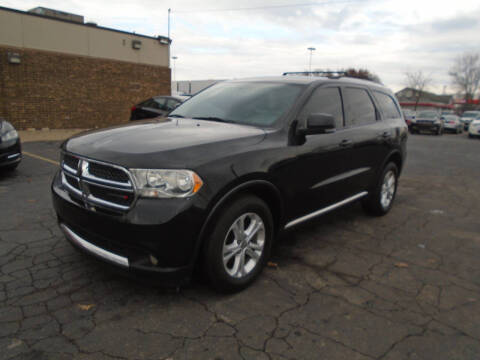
<point x="415" y="100"/>
<point x="58" y="72"/>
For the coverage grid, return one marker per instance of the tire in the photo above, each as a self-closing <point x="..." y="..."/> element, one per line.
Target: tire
<point x="227" y="275"/>
<point x="375" y="204"/>
<point x="470" y="136"/>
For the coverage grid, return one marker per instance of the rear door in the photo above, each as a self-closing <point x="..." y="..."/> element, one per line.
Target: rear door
<point x="368" y="133"/>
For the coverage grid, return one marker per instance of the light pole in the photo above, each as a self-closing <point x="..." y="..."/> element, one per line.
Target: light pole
<point x="311" y="49"/>
<point x="174" y="58"/>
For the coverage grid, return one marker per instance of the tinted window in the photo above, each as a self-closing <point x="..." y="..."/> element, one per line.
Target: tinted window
<point x="359" y="109"/>
<point x="146" y="103"/>
<point x="387" y="105"/>
<point x="427" y="114"/>
<point x="171" y="104"/>
<point x="158" y="103"/>
<point x="243" y="102"/>
<point x="324" y="100"/>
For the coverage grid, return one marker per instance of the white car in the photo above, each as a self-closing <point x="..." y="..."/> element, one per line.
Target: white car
<point x="474" y="128"/>
<point x="452" y="123"/>
<point x="468" y="117"/>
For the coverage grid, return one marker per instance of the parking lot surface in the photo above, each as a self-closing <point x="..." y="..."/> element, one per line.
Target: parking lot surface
<point x="345" y="286"/>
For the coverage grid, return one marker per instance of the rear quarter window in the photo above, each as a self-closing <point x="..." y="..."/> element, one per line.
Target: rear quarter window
<point x="387" y="105"/>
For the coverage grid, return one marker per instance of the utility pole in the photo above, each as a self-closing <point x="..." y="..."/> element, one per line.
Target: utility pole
<point x="312" y="49"/>
<point x="169" y="10"/>
<point x="174" y="58"/>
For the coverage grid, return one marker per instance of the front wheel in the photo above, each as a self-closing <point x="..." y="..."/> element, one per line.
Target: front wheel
<point x="380" y="201"/>
<point x="239" y="245"/>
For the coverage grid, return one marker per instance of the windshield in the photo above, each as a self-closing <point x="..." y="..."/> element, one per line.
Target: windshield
<point x="251" y="103"/>
<point x="470" y="114"/>
<point x="427" y="114"/>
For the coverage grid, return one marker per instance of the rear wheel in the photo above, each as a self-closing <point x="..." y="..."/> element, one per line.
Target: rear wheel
<point x="380" y="201"/>
<point x="239" y="245"/>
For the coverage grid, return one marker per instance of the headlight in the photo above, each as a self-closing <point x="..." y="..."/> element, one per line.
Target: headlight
<point x="166" y="183"/>
<point x="10" y="135"/>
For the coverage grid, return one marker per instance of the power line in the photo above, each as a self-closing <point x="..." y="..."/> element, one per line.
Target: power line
<point x="269" y="6"/>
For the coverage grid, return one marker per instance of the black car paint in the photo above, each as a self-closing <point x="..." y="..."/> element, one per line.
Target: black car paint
<point x="295" y="178"/>
<point x="8" y="149"/>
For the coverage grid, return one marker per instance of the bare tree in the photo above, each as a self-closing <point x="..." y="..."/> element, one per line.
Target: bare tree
<point x="417" y="81"/>
<point x="362" y="74"/>
<point x="465" y="74"/>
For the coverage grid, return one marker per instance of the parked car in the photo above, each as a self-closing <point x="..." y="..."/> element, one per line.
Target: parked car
<point x="474" y="128"/>
<point x="214" y="184"/>
<point x="468" y="117"/>
<point x="428" y="120"/>
<point x="409" y="116"/>
<point x="10" y="147"/>
<point x="154" y="107"/>
<point x="452" y="123"/>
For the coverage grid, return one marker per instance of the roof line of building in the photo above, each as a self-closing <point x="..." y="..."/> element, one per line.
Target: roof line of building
<point x="85" y="24"/>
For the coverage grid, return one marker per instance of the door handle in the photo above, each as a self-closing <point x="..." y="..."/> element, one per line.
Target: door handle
<point x="386" y="134"/>
<point x="346" y="142"/>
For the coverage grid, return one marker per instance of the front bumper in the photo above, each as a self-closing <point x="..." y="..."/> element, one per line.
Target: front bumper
<point x="155" y="240"/>
<point x="474" y="131"/>
<point x="10" y="153"/>
<point x="425" y="127"/>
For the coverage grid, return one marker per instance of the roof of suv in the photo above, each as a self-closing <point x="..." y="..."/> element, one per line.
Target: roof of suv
<point x="314" y="79"/>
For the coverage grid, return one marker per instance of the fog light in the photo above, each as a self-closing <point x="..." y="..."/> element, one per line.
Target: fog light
<point x="153" y="260"/>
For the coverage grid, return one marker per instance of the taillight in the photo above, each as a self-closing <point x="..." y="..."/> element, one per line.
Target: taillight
<point x="133" y="108"/>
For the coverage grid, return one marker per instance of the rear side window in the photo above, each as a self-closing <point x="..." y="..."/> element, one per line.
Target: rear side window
<point x="158" y="103"/>
<point x="327" y="101"/>
<point x="387" y="105"/>
<point x="359" y="108"/>
<point x="171" y="104"/>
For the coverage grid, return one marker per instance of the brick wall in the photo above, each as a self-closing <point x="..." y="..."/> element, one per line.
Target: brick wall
<point x="54" y="90"/>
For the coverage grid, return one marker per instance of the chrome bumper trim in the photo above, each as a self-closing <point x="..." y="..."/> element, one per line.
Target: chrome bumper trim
<point x="102" y="253"/>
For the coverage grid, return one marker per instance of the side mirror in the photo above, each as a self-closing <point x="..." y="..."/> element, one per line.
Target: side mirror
<point x="320" y="123"/>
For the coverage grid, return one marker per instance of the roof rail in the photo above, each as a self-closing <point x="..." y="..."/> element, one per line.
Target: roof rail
<point x="329" y="74"/>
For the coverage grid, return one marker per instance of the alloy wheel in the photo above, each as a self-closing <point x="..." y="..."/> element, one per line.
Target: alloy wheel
<point x="243" y="245"/>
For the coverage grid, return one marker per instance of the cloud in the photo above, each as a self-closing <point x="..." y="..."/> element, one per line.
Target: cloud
<point x="387" y="37"/>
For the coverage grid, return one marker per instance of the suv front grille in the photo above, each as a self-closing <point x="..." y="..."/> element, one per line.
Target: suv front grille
<point x="107" y="172"/>
<point x="98" y="185"/>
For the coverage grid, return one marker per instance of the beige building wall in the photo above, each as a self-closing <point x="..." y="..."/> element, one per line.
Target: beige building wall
<point x="23" y="30"/>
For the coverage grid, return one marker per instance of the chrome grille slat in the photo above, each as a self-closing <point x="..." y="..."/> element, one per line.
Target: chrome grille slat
<point x="94" y="190"/>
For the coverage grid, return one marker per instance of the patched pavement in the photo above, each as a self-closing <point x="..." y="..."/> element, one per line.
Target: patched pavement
<point x="345" y="286"/>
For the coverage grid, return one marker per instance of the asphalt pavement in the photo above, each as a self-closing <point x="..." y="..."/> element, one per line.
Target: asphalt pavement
<point x="344" y="286"/>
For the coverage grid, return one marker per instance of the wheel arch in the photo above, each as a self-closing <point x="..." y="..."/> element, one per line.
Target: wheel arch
<point x="396" y="157"/>
<point x="261" y="188"/>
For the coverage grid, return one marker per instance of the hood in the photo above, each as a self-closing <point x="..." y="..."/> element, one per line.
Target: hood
<point x="165" y="142"/>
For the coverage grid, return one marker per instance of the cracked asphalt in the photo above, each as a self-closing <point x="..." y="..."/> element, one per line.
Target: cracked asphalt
<point x="345" y="286"/>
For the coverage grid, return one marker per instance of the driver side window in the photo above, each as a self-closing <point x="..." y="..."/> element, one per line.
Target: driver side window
<point x="324" y="100"/>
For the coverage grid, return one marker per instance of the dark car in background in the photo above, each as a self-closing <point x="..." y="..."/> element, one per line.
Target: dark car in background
<point x="155" y="107"/>
<point x="10" y="147"/>
<point x="427" y="120"/>
<point x="211" y="186"/>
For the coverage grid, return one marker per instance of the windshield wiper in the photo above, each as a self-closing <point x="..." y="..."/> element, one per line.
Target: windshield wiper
<point x="212" y="118"/>
<point x="176" y="116"/>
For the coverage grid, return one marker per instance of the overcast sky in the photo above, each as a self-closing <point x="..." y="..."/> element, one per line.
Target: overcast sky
<point x="386" y="37"/>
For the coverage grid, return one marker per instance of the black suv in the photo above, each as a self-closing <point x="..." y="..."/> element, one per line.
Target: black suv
<point x="214" y="183"/>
